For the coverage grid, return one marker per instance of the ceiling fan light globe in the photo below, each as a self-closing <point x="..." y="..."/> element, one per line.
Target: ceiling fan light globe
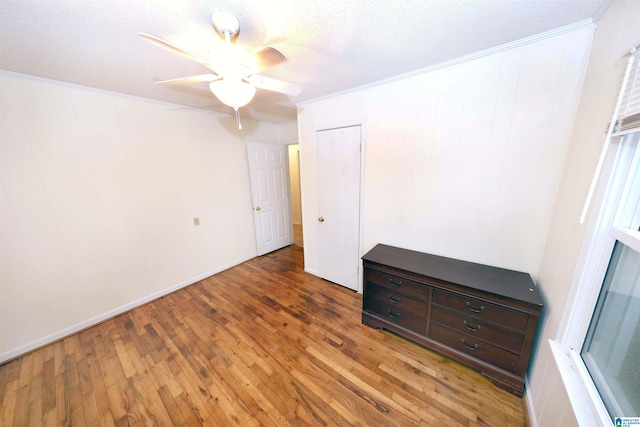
<point x="234" y="93"/>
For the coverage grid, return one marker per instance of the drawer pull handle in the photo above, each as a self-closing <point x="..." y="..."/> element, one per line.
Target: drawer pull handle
<point x="472" y="329"/>
<point x="475" y="310"/>
<point x="393" y="300"/>
<point x="394" y="315"/>
<point x="394" y="284"/>
<point x="468" y="347"/>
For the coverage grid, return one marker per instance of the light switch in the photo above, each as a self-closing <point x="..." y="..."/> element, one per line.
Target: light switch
<point x="196" y="221"/>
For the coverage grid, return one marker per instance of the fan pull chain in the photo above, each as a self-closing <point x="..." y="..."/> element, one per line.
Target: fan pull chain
<point x="237" y="110"/>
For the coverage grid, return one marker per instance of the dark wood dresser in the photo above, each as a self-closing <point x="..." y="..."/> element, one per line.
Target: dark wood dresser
<point x="484" y="317"/>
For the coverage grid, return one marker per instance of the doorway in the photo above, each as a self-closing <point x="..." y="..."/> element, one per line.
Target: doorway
<point x="296" y="197"/>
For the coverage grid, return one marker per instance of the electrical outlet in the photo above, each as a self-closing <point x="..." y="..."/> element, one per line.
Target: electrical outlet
<point x="196" y="221"/>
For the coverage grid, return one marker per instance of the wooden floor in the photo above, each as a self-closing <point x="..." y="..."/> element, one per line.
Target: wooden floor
<point x="260" y="344"/>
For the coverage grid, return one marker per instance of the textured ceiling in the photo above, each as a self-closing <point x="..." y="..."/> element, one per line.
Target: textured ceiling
<point x="332" y="45"/>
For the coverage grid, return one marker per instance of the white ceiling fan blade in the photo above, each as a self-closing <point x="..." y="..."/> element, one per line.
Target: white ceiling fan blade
<point x="192" y="79"/>
<point x="268" y="83"/>
<point x="267" y="57"/>
<point x="174" y="49"/>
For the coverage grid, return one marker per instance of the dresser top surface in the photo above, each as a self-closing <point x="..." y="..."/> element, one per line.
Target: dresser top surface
<point x="508" y="283"/>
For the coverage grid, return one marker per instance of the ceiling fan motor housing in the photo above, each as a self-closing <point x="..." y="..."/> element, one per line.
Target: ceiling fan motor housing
<point x="225" y="23"/>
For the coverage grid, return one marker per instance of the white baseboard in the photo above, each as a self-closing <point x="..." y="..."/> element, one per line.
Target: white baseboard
<point x="34" y="345"/>
<point x="531" y="413"/>
<point x="310" y="271"/>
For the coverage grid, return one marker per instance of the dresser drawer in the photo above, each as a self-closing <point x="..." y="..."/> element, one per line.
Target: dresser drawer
<point x="397" y="300"/>
<point x="413" y="317"/>
<point x="482" y="310"/>
<point x="477" y="328"/>
<point x="474" y="347"/>
<point x="400" y="284"/>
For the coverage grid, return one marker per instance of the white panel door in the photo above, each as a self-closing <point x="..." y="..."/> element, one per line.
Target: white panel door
<point x="338" y="168"/>
<point x="269" y="172"/>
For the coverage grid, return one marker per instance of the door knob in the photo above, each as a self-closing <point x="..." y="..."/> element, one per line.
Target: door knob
<point x="321" y="219"/>
<point x="257" y="208"/>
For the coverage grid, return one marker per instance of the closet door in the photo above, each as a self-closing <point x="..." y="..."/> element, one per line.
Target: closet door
<point x="338" y="169"/>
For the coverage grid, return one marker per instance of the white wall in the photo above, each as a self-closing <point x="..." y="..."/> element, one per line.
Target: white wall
<point x="98" y="195"/>
<point x="462" y="161"/>
<point x="617" y="31"/>
<point x="288" y="133"/>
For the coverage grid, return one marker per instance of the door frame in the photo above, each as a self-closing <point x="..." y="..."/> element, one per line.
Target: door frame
<point x="362" y="124"/>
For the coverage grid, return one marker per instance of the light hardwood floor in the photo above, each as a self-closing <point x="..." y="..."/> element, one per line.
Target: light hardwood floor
<point x="263" y="343"/>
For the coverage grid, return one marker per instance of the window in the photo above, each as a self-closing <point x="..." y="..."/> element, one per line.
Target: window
<point x="611" y="351"/>
<point x="599" y="343"/>
<point x="598" y="347"/>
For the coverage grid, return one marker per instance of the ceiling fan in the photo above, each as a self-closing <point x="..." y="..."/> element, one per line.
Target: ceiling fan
<point x="235" y="71"/>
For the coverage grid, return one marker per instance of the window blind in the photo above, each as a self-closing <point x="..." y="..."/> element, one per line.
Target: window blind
<point x="626" y="117"/>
